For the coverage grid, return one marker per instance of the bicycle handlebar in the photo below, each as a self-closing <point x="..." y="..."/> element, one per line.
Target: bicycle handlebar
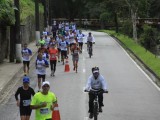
<point x="102" y="91"/>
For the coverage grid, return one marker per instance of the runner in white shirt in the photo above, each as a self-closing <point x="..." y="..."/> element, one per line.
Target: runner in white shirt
<point x="80" y="37"/>
<point x="59" y="39"/>
<point x="71" y="38"/>
<point x="64" y="48"/>
<point x="26" y="53"/>
<point x="41" y="66"/>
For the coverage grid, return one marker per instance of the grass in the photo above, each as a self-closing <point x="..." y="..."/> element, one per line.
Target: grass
<point x="147" y="57"/>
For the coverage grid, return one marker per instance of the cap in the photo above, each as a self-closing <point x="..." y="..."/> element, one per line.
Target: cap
<point x="45" y="83"/>
<point x="26" y="79"/>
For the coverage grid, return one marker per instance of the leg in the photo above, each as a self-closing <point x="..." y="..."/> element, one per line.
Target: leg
<point x="91" y="99"/>
<point x="76" y="65"/>
<point x="43" y="78"/>
<point x="54" y="63"/>
<point x="24" y="66"/>
<point x="100" y="100"/>
<point x="28" y="63"/>
<point x="51" y="65"/>
<point x="39" y="82"/>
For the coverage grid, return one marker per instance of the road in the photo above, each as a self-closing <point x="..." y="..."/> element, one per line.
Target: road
<point x="132" y="95"/>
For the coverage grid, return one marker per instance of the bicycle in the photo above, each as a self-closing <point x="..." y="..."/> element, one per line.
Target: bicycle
<point x="96" y="103"/>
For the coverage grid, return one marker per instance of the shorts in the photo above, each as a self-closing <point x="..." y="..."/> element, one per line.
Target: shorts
<point x="25" y="111"/>
<point x="64" y="53"/>
<point x="26" y="63"/>
<point x="75" y="58"/>
<point x="41" y="76"/>
<point x="80" y="43"/>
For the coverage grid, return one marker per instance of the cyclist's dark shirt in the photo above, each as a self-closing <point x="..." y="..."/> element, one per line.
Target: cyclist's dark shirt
<point x="24" y="94"/>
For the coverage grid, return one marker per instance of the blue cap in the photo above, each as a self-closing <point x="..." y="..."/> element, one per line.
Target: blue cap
<point x="26" y="79"/>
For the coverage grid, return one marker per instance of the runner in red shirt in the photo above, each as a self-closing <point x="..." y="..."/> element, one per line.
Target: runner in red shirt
<point x="53" y="53"/>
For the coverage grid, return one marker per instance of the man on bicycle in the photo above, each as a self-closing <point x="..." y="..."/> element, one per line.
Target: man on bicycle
<point x="90" y="41"/>
<point x="96" y="82"/>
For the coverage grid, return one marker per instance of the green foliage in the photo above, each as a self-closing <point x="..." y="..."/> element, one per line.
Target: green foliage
<point x="127" y="27"/>
<point x="6" y="12"/>
<point x="27" y="8"/>
<point x="150" y="37"/>
<point x="7" y="15"/>
<point x="105" y="16"/>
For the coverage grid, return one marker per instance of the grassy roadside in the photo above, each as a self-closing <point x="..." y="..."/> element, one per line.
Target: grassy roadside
<point x="147" y="57"/>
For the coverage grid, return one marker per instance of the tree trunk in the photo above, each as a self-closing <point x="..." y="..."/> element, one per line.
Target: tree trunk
<point x="116" y="22"/>
<point x="133" y="16"/>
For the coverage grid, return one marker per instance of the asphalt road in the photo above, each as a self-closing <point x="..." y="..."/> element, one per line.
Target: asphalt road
<point x="132" y="95"/>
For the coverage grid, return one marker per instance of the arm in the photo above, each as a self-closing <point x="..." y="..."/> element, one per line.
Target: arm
<point x="104" y="84"/>
<point x="38" y="106"/>
<point x="88" y="85"/>
<point x="16" y="96"/>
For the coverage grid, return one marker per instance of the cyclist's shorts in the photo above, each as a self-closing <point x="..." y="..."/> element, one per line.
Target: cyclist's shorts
<point x="25" y="111"/>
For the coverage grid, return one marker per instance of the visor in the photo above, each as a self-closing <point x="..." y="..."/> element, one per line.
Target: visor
<point x="96" y="71"/>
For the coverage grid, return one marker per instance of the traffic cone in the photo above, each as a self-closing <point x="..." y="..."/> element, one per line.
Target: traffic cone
<point x="67" y="68"/>
<point x="55" y="113"/>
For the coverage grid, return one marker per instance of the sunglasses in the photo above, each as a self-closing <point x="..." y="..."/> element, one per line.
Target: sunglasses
<point x="46" y="86"/>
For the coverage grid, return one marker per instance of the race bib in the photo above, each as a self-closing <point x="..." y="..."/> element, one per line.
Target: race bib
<point x="44" y="110"/>
<point x="53" y="56"/>
<point x="26" y="102"/>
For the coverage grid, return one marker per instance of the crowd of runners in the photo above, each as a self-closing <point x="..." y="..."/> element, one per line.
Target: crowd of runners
<point x="64" y="41"/>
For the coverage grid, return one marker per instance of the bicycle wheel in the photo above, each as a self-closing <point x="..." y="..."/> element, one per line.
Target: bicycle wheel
<point x="95" y="111"/>
<point x="90" y="52"/>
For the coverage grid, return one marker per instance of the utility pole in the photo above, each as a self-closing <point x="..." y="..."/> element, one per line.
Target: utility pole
<point x="50" y="16"/>
<point x="17" y="30"/>
<point x="44" y="2"/>
<point x="37" y="20"/>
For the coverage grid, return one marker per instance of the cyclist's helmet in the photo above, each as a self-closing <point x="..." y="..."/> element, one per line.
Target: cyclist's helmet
<point x="95" y="71"/>
<point x="26" y="79"/>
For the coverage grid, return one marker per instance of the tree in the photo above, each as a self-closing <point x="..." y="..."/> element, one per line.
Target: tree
<point x="6" y="12"/>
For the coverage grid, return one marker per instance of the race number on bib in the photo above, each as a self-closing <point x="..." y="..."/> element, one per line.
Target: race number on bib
<point x="26" y="102"/>
<point x="44" y="111"/>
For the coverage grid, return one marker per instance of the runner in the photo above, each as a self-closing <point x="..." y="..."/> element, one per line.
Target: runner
<point x="71" y="38"/>
<point x="44" y="102"/>
<point x="41" y="66"/>
<point x="53" y="53"/>
<point x="75" y="56"/>
<point x="80" y="37"/>
<point x="26" y="52"/>
<point x="58" y="40"/>
<point x="64" y="48"/>
<point x="41" y="41"/>
<point x="23" y="102"/>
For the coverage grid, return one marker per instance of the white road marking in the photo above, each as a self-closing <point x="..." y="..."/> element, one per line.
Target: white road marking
<point x="84" y="70"/>
<point x="138" y="67"/>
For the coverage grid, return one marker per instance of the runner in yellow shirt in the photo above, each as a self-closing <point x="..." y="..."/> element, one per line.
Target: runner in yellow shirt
<point x="44" y="102"/>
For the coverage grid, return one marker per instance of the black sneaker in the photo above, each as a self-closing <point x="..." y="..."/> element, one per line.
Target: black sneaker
<point x="100" y="109"/>
<point x="91" y="115"/>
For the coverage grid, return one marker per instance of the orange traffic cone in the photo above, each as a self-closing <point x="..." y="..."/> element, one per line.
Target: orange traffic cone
<point x="55" y="113"/>
<point x="67" y="68"/>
